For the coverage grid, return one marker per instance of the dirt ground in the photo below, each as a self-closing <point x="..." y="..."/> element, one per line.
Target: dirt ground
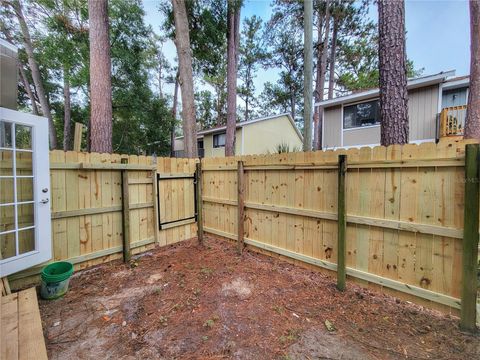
<point x="191" y="302"/>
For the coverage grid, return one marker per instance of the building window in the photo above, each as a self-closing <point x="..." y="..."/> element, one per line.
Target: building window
<point x="219" y="140"/>
<point x="363" y="114"/>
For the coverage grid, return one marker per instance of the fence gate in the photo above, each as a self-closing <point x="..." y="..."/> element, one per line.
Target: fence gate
<point x="177" y="199"/>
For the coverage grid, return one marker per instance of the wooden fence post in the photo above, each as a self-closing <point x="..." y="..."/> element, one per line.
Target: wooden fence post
<point x="470" y="239"/>
<point x="342" y="224"/>
<point x="241" y="206"/>
<point x="198" y="175"/>
<point x="125" y="217"/>
<point x="77" y="137"/>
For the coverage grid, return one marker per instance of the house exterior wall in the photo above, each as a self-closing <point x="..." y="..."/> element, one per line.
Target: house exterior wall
<point x="210" y="151"/>
<point x="255" y="138"/>
<point x="8" y="77"/>
<point x="264" y="136"/>
<point x="361" y="136"/>
<point x="332" y="127"/>
<point x="422" y="112"/>
<point x="178" y="144"/>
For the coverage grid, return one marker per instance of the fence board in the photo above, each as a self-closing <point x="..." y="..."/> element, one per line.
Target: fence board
<point x="404" y="212"/>
<point x="86" y="203"/>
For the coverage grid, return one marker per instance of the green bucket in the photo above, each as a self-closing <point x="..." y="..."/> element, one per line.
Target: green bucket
<point x="55" y="279"/>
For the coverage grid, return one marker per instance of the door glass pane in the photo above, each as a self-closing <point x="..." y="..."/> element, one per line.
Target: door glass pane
<point x="23" y="137"/>
<point x="6" y="162"/>
<point x="6" y="190"/>
<point x="7" y="245"/>
<point x="5" y="134"/>
<point x="24" y="162"/>
<point x="24" y="189"/>
<point x="25" y="215"/>
<point x="26" y="241"/>
<point x="7" y="218"/>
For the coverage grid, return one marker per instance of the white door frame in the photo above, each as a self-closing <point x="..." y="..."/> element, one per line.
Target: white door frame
<point x="41" y="193"/>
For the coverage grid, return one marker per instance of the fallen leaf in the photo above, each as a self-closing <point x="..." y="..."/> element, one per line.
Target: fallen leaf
<point x="329" y="325"/>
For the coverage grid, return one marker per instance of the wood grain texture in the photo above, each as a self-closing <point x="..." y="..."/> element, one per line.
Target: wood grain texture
<point x="87" y="201"/>
<point x="404" y="211"/>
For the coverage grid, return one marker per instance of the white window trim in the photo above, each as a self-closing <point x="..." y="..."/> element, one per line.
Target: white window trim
<point x="213" y="140"/>
<point x="362" y="127"/>
<point x="42" y="216"/>
<point x="357" y="127"/>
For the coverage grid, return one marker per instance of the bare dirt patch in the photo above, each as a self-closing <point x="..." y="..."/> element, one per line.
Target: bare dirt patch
<point x="191" y="302"/>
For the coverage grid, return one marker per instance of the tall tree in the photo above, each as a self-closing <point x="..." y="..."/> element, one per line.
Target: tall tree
<point x="393" y="72"/>
<point x="174" y="115"/>
<point x="23" y="76"/>
<point x="233" y="37"/>
<point x="182" y="42"/>
<point x="284" y="36"/>
<point x="472" y="123"/>
<point x="67" y="109"/>
<point x="251" y="55"/>
<point x="322" y="53"/>
<point x="207" y="22"/>
<point x="308" y="74"/>
<point x="35" y="71"/>
<point x="100" y="77"/>
<point x="332" y="59"/>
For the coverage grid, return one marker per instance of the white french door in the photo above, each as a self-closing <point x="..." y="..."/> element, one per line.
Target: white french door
<point x="25" y="229"/>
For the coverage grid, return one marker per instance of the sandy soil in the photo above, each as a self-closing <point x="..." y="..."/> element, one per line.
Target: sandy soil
<point x="191" y="302"/>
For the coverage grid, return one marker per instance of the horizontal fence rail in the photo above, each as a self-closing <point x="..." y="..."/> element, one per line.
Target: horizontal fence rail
<point x="89" y="214"/>
<point x="404" y="212"/>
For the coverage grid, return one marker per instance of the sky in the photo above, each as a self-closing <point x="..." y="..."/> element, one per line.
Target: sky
<point x="438" y="33"/>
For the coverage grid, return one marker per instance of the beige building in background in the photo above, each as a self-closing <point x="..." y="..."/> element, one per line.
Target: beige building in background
<point x="354" y="120"/>
<point x="257" y="136"/>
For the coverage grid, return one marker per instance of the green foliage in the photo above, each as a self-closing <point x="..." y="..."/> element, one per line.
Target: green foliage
<point x="142" y="121"/>
<point x="207" y="21"/>
<point x="284" y="37"/>
<point x="251" y="54"/>
<point x="205" y="108"/>
<point x="284" y="147"/>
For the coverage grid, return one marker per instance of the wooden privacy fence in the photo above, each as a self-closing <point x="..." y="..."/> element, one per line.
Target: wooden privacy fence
<point x="404" y="212"/>
<point x="104" y="205"/>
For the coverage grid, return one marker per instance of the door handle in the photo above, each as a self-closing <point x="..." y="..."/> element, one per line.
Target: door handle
<point x="44" y="201"/>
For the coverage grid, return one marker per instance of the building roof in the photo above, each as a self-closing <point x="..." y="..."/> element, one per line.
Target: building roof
<point x="411" y="84"/>
<point x="456" y="82"/>
<point x="8" y="45"/>
<point x="241" y="124"/>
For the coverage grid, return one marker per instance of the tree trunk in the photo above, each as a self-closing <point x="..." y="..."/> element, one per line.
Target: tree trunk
<point x="100" y="78"/>
<point x="182" y="42"/>
<point x="472" y="123"/>
<point x="37" y="79"/>
<point x="293" y="108"/>
<point x="393" y="72"/>
<point x="308" y="74"/>
<point x="67" y="115"/>
<point x="320" y="80"/>
<point x="160" y="92"/>
<point x="233" y="37"/>
<point x="174" y="116"/>
<point x="333" y="53"/>
<point x="247" y="99"/>
<point x="28" y="88"/>
<point x="23" y="75"/>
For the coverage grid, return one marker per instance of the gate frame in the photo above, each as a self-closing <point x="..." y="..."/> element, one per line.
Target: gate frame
<point x="194" y="177"/>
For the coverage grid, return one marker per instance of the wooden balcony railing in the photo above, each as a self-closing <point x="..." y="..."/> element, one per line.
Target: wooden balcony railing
<point x="452" y="121"/>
